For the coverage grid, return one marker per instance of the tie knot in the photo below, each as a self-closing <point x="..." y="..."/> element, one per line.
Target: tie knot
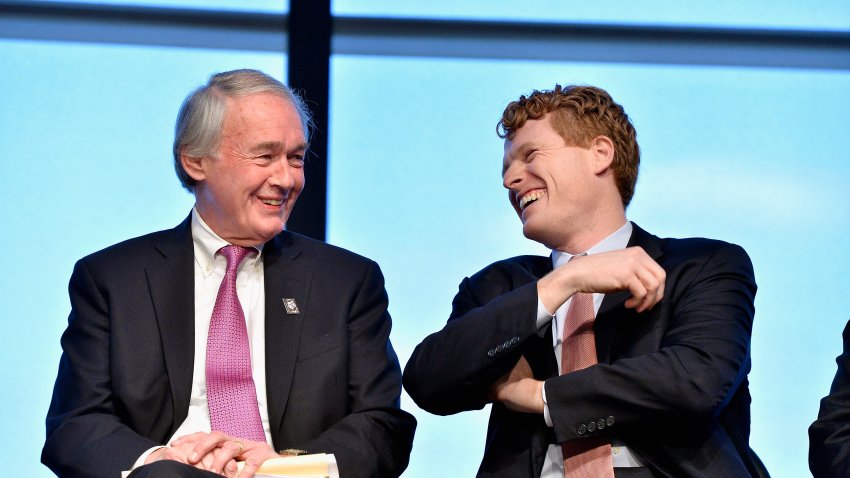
<point x="234" y="255"/>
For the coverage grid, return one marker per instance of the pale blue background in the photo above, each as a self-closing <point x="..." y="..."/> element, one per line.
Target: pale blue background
<point x="750" y="155"/>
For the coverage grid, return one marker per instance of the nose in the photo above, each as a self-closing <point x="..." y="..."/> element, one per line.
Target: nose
<point x="282" y="175"/>
<point x="512" y="177"/>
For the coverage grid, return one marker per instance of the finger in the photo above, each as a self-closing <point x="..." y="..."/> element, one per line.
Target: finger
<point x="638" y="291"/>
<point x="657" y="278"/>
<point x="250" y="469"/>
<point x="206" y="462"/>
<point x="175" y="454"/>
<point x="229" y="451"/>
<point x="651" y="284"/>
<point x="189" y="438"/>
<point x="207" y="444"/>
<point x="231" y="470"/>
<point x="661" y="274"/>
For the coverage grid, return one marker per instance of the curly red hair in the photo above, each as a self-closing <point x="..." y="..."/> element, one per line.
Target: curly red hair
<point x="580" y="114"/>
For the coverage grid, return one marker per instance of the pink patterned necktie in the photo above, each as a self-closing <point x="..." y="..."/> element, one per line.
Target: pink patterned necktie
<point x="231" y="394"/>
<point x="585" y="457"/>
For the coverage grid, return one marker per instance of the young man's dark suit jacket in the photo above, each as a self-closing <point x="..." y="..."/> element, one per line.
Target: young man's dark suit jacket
<point x="829" y="435"/>
<point x="332" y="378"/>
<point x="671" y="383"/>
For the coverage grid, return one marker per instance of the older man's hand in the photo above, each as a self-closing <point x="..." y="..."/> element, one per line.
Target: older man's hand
<point x="225" y="451"/>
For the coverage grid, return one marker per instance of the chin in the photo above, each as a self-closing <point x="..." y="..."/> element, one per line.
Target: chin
<point x="539" y="234"/>
<point x="268" y="231"/>
<point x="530" y="232"/>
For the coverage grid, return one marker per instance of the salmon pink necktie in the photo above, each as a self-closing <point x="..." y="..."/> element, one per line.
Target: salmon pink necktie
<point x="585" y="457"/>
<point x="231" y="394"/>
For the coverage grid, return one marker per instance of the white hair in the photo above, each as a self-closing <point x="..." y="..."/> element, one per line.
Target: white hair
<point x="197" y="132"/>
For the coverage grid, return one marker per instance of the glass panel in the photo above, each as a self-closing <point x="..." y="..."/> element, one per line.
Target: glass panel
<point x="86" y="162"/>
<point x="751" y="156"/>
<point x="276" y="6"/>
<point x="793" y="14"/>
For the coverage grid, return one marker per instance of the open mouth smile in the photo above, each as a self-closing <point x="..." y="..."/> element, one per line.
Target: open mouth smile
<point x="531" y="197"/>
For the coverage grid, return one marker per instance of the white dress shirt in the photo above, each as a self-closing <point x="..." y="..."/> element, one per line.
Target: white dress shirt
<point x="209" y="272"/>
<point x="553" y="465"/>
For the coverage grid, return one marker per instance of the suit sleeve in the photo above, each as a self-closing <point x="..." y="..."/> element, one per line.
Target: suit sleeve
<point x="85" y="437"/>
<point x="829" y="435"/>
<point x="376" y="436"/>
<point x="688" y="379"/>
<point x="452" y="370"/>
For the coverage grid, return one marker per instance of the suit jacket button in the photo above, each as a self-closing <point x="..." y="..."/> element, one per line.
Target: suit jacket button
<point x="591" y="427"/>
<point x="582" y="429"/>
<point x="600" y="424"/>
<point x="491" y="353"/>
<point x="514" y="340"/>
<point x="609" y="421"/>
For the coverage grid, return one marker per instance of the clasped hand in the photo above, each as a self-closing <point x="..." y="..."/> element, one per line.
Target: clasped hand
<point x="217" y="452"/>
<point x="628" y="269"/>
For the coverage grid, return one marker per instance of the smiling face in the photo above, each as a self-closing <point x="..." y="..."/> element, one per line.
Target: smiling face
<point x="562" y="193"/>
<point x="247" y="193"/>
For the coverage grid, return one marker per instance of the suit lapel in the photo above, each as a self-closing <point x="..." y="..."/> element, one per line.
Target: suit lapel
<point x="286" y="277"/>
<point x="172" y="288"/>
<point x="613" y="311"/>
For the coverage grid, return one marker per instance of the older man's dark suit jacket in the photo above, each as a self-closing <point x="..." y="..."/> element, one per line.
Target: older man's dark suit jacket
<point x="125" y="377"/>
<point x="671" y="383"/>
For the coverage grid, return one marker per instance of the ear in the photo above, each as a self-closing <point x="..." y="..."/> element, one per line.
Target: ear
<point x="602" y="149"/>
<point x="194" y="167"/>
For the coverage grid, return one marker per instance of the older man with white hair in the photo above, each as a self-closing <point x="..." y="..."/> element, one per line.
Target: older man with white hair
<point x="228" y="339"/>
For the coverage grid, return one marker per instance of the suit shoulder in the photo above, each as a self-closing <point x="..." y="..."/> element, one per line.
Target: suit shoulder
<point x="132" y="249"/>
<point x="701" y="246"/>
<point x="508" y="269"/>
<point x="701" y="255"/>
<point x="524" y="262"/>
<point x="324" y="252"/>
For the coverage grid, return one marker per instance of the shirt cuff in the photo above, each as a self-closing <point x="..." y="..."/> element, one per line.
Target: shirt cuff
<point x="145" y="455"/>
<point x="546" y="417"/>
<point x="543" y="317"/>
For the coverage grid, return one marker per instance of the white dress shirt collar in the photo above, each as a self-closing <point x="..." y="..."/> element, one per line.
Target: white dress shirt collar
<point x="207" y="243"/>
<point x="619" y="239"/>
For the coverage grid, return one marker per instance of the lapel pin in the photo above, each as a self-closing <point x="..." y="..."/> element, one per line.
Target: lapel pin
<point x="290" y="306"/>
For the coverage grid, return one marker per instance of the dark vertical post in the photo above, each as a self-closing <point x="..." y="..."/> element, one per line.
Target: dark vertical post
<point x="309" y="74"/>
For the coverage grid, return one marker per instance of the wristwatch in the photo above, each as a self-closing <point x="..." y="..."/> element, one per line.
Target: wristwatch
<point x="292" y="452"/>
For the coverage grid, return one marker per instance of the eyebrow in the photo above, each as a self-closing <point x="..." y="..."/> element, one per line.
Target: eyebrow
<point x="277" y="146"/>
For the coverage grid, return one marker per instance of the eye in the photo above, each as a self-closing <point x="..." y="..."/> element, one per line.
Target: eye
<point x="296" y="160"/>
<point x="529" y="157"/>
